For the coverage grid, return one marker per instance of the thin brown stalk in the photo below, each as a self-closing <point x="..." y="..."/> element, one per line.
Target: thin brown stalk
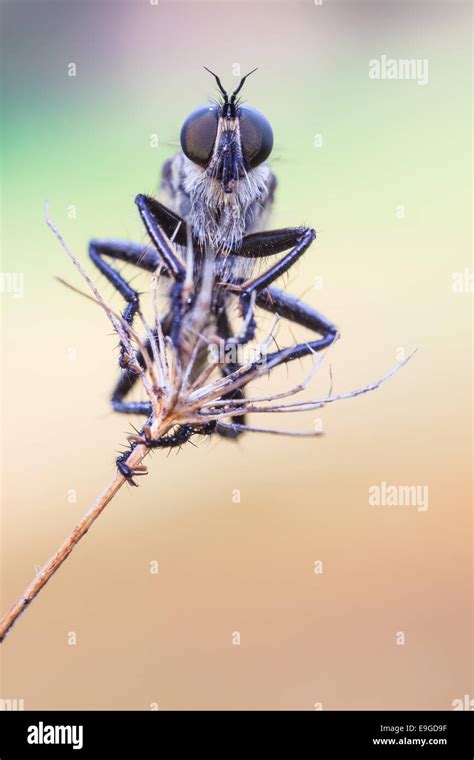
<point x="54" y="563"/>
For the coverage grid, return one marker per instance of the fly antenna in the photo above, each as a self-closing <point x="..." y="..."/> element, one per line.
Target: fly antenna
<point x="219" y="84"/>
<point x="236" y="91"/>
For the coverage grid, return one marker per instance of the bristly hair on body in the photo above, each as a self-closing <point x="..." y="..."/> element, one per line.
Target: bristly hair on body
<point x="219" y="220"/>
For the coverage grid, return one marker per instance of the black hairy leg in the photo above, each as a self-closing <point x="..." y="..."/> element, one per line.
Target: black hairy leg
<point x="176" y="438"/>
<point x="263" y="244"/>
<point x="278" y="302"/>
<point x="161" y="223"/>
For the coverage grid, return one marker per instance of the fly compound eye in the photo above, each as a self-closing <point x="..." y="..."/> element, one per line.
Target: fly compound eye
<point x="256" y="136"/>
<point x="198" y="134"/>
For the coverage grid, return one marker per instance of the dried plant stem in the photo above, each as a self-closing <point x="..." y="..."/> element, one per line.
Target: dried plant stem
<point x="54" y="563"/>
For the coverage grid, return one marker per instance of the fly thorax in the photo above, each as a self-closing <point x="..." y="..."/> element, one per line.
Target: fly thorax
<point x="218" y="219"/>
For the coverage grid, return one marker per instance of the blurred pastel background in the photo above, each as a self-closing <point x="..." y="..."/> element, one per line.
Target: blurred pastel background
<point x="382" y="169"/>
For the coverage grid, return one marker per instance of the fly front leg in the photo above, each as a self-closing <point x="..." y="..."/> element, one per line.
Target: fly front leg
<point x="273" y="242"/>
<point x="278" y="302"/>
<point x="134" y="254"/>
<point x="161" y="223"/>
<point x="262" y="244"/>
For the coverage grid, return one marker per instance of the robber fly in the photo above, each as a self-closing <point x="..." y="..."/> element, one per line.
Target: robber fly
<point x="220" y="188"/>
